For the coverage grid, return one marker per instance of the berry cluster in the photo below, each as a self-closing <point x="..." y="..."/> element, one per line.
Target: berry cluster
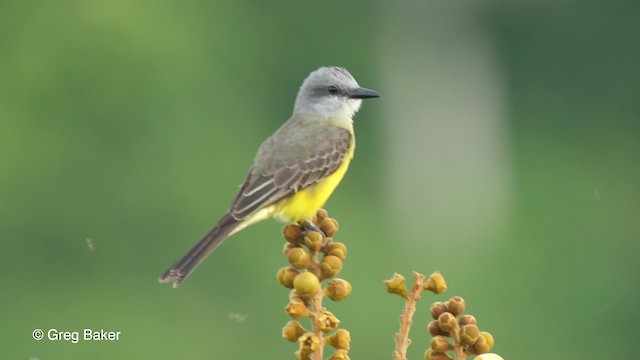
<point x="450" y="323"/>
<point x="314" y="257"/>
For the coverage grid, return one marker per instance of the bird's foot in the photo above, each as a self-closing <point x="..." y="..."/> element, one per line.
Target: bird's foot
<point x="308" y="226"/>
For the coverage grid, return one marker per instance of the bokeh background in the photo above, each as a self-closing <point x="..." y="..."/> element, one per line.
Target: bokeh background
<point x="504" y="153"/>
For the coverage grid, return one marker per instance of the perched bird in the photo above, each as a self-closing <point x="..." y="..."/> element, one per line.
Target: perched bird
<point x="296" y="169"/>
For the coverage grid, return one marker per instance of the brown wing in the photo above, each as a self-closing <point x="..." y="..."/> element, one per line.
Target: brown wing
<point x="289" y="168"/>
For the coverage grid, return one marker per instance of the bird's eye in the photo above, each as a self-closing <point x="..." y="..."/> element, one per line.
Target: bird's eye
<point x="333" y="90"/>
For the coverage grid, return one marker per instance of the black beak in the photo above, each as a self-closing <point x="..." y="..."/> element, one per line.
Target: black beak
<point x="363" y="93"/>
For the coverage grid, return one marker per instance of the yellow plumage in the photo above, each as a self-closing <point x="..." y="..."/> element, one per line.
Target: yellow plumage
<point x="306" y="202"/>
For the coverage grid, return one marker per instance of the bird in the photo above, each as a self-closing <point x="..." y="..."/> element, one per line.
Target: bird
<point x="296" y="169"/>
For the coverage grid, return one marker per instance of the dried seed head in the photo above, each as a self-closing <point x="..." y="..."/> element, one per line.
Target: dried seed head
<point x="309" y="342"/>
<point x="329" y="227"/>
<point x="327" y="322"/>
<point x="296" y="309"/>
<point x="489" y="338"/>
<point x="438" y="308"/>
<point x="336" y="249"/>
<point x="298" y="258"/>
<point x="292" y="233"/>
<point x="341" y="339"/>
<point x="434" y="355"/>
<point x="313" y="241"/>
<point x="481" y="346"/>
<point x="340" y="354"/>
<point x="286" y="275"/>
<point x="447" y="321"/>
<point x="396" y="285"/>
<point x="469" y="334"/>
<point x="467" y="320"/>
<point x="330" y="266"/>
<point x="440" y="344"/>
<point x="292" y="331"/>
<point x="435" y="283"/>
<point x="338" y="289"/>
<point x="435" y="330"/>
<point x="456" y="305"/>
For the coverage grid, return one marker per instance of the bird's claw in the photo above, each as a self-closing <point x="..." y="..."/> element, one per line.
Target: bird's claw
<point x="308" y="226"/>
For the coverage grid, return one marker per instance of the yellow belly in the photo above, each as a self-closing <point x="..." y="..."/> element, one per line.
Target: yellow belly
<point x="306" y="202"/>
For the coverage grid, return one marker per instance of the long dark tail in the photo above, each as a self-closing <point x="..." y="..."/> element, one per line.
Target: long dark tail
<point x="183" y="267"/>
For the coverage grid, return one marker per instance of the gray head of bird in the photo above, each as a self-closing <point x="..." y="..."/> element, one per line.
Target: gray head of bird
<point x="331" y="92"/>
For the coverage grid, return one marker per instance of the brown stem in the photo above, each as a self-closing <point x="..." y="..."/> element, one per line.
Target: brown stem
<point x="314" y="266"/>
<point x="402" y="336"/>
<point x="316" y="307"/>
<point x="458" y="349"/>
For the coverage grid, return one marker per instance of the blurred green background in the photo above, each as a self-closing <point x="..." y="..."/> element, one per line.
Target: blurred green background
<point x="504" y="153"/>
